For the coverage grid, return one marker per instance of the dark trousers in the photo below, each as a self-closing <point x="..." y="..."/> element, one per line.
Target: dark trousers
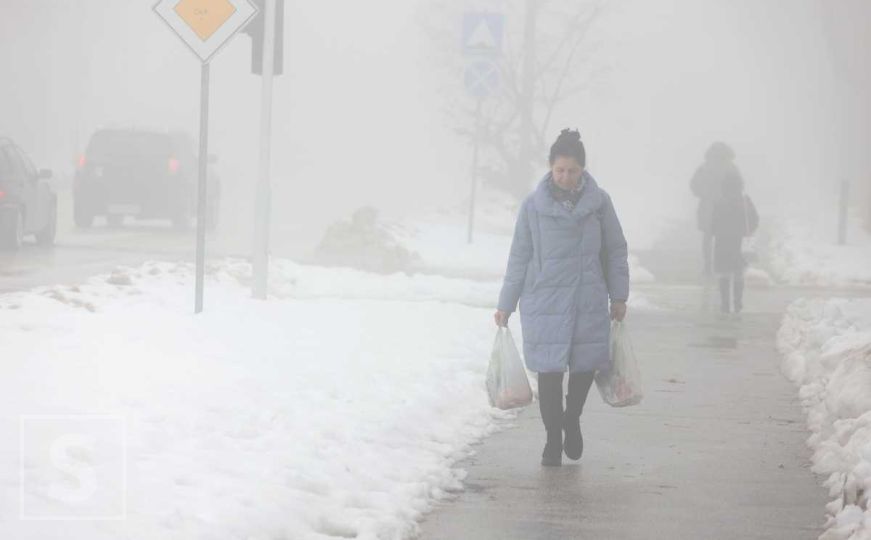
<point x="708" y="251"/>
<point x="732" y="292"/>
<point x="550" y="397"/>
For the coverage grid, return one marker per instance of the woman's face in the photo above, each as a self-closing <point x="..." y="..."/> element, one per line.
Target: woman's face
<point x="566" y="172"/>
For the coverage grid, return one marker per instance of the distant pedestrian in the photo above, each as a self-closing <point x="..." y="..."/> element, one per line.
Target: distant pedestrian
<point x="734" y="217"/>
<point x="568" y="257"/>
<point x="705" y="185"/>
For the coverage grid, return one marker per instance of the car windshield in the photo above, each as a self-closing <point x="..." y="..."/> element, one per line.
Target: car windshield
<point x="114" y="144"/>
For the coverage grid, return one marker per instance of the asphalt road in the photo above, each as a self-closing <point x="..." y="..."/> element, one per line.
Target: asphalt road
<point x="81" y="253"/>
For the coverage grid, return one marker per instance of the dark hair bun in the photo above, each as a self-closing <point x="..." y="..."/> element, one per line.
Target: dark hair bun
<point x="569" y="144"/>
<point x="569" y="136"/>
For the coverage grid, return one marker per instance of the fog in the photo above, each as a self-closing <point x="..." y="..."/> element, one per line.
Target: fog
<point x="359" y="391"/>
<point x="359" y="115"/>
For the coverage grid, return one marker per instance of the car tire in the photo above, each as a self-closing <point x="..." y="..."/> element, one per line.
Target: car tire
<point x="82" y="216"/>
<point x="115" y="221"/>
<point x="180" y="216"/>
<point x="46" y="236"/>
<point x="11" y="228"/>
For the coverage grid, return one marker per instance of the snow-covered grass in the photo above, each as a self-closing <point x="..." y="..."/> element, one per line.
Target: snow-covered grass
<point x="827" y="352"/>
<point x="324" y="413"/>
<point x="802" y="253"/>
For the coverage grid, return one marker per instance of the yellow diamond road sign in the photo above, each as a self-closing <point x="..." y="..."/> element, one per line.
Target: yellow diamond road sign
<point x="203" y="16"/>
<point x="205" y="25"/>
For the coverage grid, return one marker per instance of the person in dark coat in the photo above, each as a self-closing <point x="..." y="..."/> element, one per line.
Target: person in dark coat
<point x="568" y="259"/>
<point x="705" y="185"/>
<point x="733" y="218"/>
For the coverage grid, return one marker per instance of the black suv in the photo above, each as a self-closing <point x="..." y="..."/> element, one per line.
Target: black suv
<point x="28" y="205"/>
<point x="144" y="174"/>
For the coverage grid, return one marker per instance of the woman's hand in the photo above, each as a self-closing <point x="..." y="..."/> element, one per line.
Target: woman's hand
<point x="618" y="311"/>
<point x="501" y="318"/>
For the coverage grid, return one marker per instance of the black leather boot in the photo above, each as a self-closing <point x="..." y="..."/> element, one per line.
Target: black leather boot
<point x="550" y="402"/>
<point x="574" y="445"/>
<point x="553" y="449"/>
<point x="579" y="388"/>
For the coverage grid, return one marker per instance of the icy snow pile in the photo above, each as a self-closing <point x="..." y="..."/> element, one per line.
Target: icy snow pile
<point x="801" y="253"/>
<point x="827" y="352"/>
<point x="364" y="243"/>
<point x="332" y="411"/>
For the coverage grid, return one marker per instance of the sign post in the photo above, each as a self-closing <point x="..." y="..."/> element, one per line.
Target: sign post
<point x="205" y="26"/>
<point x="264" y="190"/>
<point x="482" y="46"/>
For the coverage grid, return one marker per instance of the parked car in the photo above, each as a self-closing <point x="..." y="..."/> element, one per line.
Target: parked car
<point x="139" y="173"/>
<point x="28" y="205"/>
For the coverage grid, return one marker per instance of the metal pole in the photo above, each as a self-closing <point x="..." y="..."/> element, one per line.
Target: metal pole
<point x="201" y="187"/>
<point x="527" y="98"/>
<point x="474" y="169"/>
<point x="842" y="212"/>
<point x="262" y="211"/>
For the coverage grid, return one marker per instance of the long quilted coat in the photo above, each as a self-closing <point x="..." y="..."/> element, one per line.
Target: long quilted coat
<point x="563" y="267"/>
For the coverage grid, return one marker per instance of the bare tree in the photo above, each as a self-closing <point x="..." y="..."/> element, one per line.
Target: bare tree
<point x="547" y="60"/>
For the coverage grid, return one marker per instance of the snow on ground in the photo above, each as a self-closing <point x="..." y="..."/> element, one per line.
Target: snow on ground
<point x="827" y="352"/>
<point x="803" y="252"/>
<point x="335" y="409"/>
<point x="312" y="416"/>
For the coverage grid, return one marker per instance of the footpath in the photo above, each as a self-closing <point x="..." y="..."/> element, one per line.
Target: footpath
<point x="717" y="450"/>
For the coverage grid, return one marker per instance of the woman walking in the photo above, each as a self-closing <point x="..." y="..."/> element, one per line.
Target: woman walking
<point x="734" y="217"/>
<point x="705" y="184"/>
<point x="568" y="257"/>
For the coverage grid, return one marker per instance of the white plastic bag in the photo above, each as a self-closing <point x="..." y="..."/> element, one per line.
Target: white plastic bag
<point x="620" y="385"/>
<point x="507" y="383"/>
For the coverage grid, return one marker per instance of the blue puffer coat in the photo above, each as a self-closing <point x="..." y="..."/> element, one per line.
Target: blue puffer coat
<point x="562" y="269"/>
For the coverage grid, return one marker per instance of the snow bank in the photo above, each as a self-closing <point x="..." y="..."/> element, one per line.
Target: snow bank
<point x="336" y="410"/>
<point x="827" y="352"/>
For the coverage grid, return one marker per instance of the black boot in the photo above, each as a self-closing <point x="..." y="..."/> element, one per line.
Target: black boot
<point x="553" y="449"/>
<point x="579" y="388"/>
<point x="738" y="291"/>
<point x="725" y="294"/>
<point x="550" y="402"/>
<point x="574" y="445"/>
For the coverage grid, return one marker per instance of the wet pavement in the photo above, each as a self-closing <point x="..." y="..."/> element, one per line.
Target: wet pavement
<point x="715" y="451"/>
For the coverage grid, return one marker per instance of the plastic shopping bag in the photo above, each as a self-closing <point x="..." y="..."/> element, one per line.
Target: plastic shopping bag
<point x="620" y="385"/>
<point x="507" y="384"/>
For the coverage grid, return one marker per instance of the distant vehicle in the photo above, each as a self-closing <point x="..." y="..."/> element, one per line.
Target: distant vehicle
<point x="144" y="174"/>
<point x="28" y="205"/>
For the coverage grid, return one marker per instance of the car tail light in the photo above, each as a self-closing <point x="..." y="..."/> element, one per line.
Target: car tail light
<point x="173" y="165"/>
<point x="82" y="161"/>
<point x="2" y="194"/>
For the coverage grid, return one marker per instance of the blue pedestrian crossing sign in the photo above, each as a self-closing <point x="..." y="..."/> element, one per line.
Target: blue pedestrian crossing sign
<point x="482" y="78"/>
<point x="482" y="34"/>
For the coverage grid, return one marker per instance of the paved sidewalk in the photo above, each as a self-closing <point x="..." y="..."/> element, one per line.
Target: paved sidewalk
<point x="716" y="451"/>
